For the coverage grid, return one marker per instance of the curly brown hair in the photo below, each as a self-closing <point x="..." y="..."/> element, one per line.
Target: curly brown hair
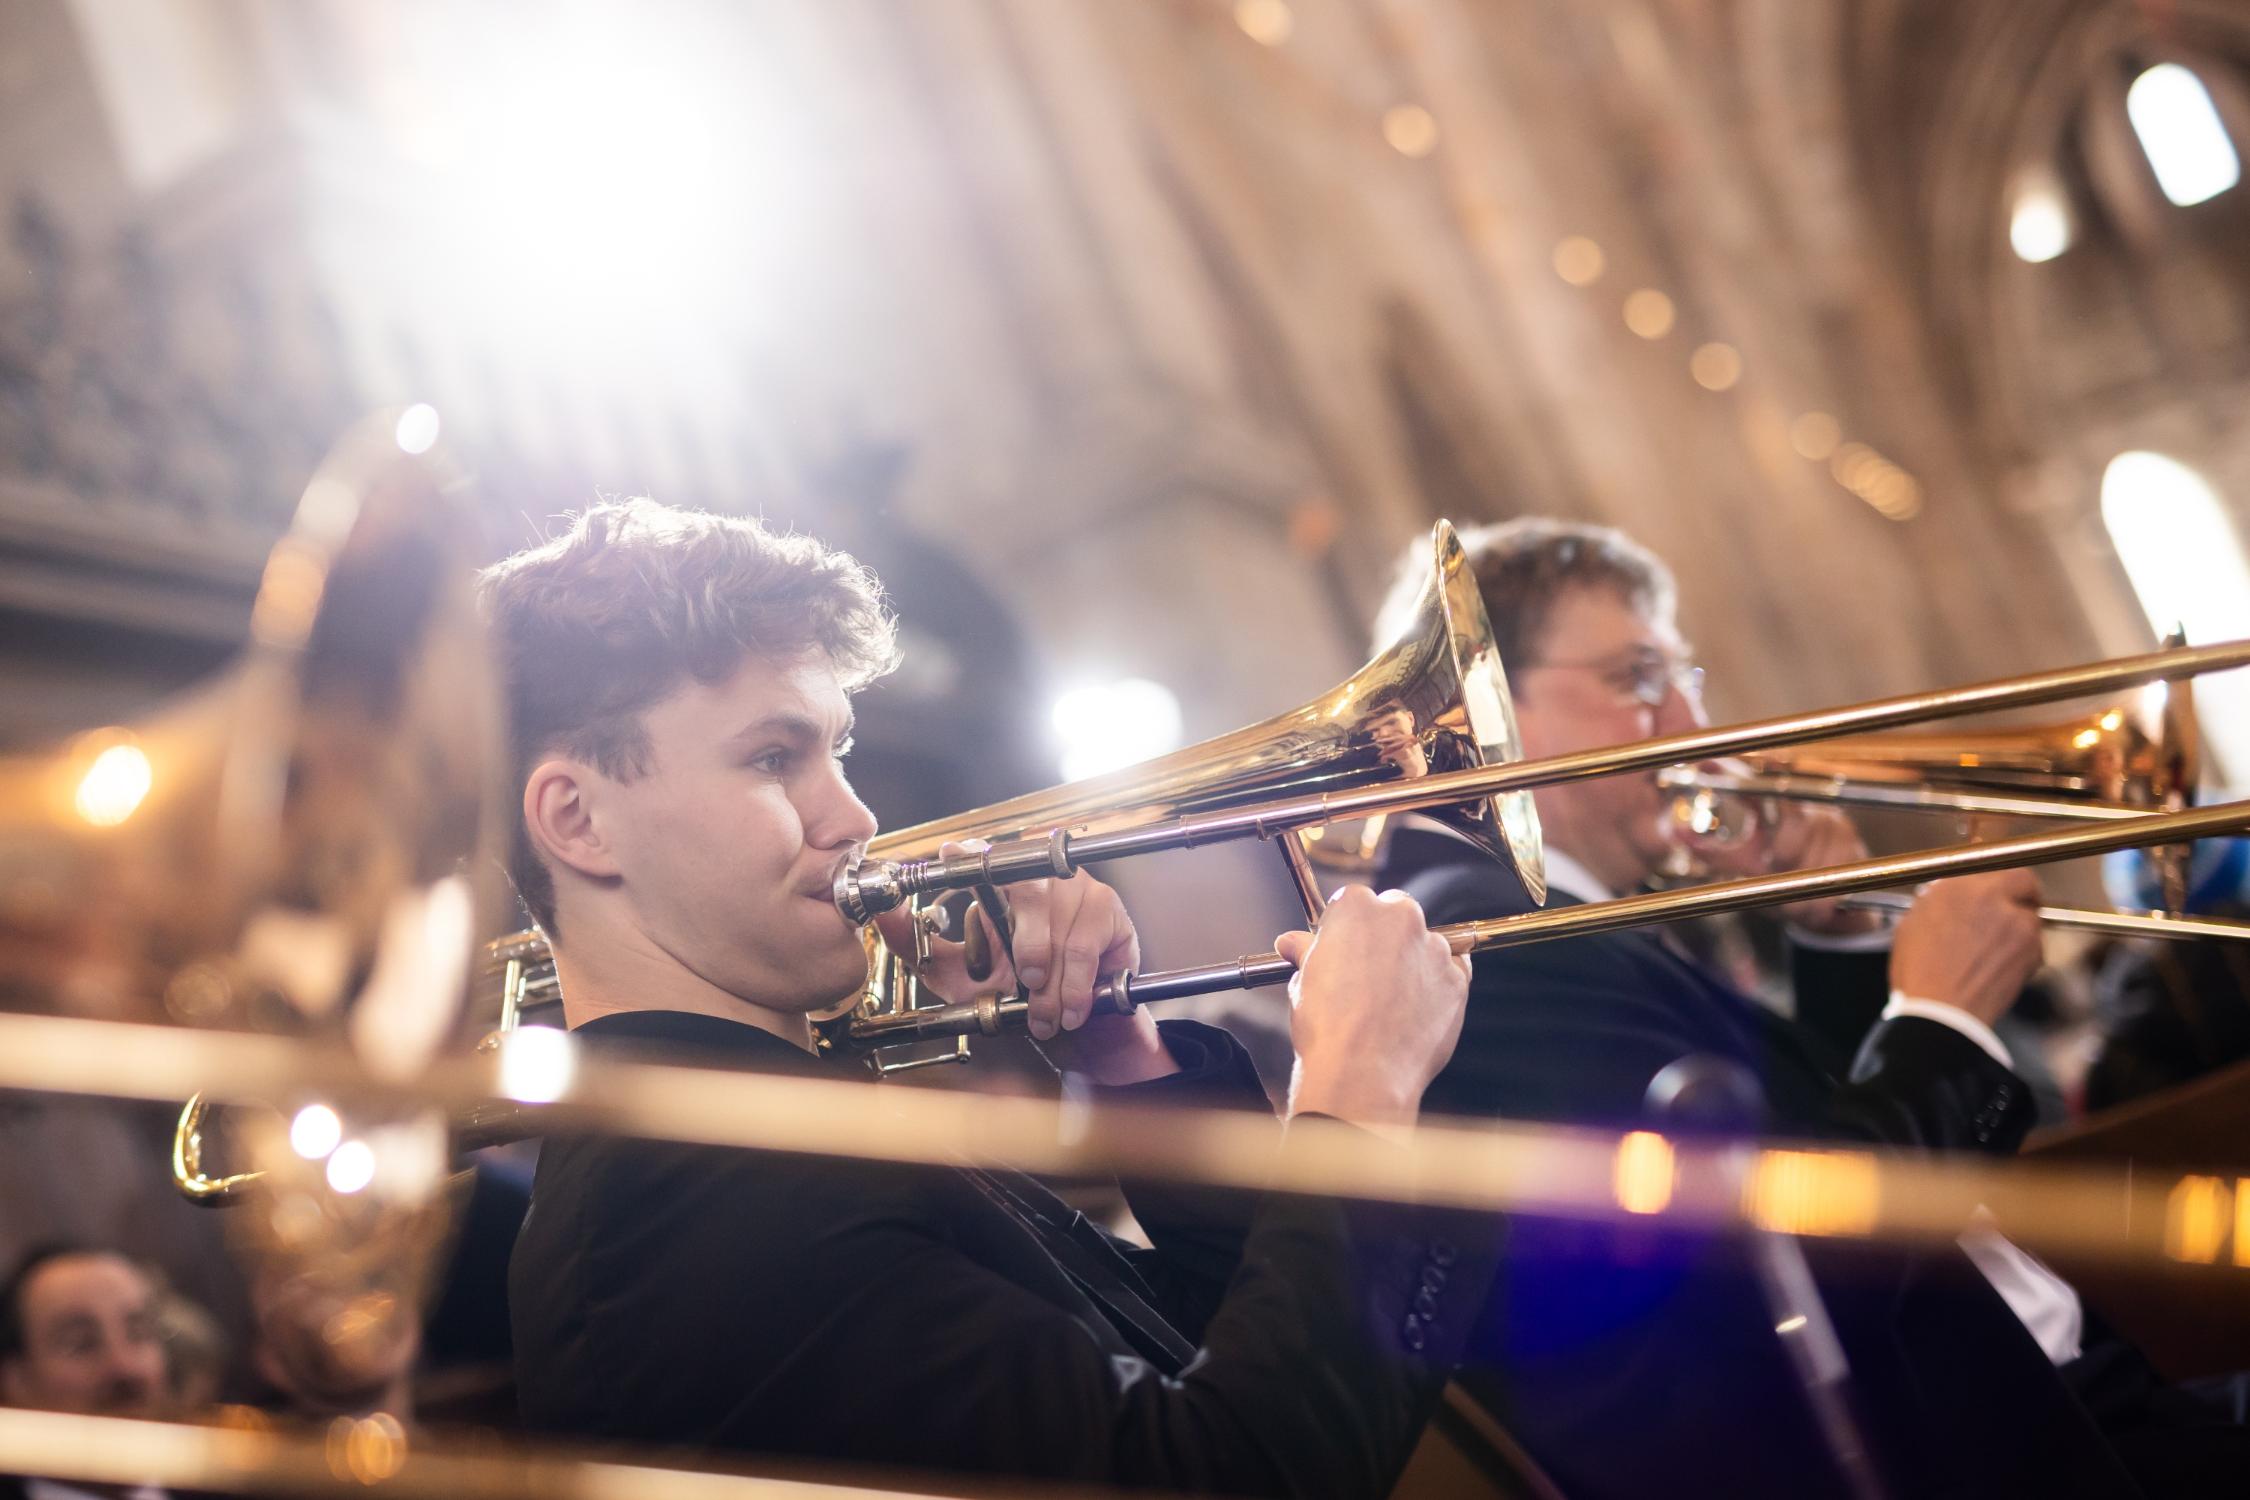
<point x="633" y="599"/>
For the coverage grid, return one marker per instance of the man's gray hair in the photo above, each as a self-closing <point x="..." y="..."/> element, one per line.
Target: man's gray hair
<point x="1523" y="566"/>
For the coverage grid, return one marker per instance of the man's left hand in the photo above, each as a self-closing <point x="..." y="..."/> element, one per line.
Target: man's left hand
<point x="1069" y="934"/>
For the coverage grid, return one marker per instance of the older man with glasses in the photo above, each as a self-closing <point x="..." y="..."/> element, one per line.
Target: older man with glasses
<point x="1637" y="1363"/>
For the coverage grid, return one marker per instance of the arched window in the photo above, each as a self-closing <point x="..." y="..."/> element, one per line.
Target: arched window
<point x="2187" y="567"/>
<point x="2182" y="134"/>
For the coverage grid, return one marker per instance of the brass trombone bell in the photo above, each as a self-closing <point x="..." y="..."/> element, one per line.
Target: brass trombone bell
<point x="1434" y="703"/>
<point x="2125" y="758"/>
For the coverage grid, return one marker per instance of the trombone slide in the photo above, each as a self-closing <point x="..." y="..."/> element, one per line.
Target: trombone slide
<point x="2144" y="924"/>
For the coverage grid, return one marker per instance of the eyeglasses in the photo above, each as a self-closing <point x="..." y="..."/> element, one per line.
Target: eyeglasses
<point x="1647" y="676"/>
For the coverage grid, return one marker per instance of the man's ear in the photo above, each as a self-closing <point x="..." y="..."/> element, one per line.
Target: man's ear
<point x="558" y="813"/>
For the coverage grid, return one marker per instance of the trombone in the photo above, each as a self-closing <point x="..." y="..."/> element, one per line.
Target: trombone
<point x="1428" y="726"/>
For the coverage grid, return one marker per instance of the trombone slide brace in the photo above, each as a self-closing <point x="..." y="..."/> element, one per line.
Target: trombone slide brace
<point x="987" y="1015"/>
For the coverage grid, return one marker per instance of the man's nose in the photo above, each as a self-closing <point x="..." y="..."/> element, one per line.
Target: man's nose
<point x="1680" y="712"/>
<point x="840" y="818"/>
<point x="134" y="1369"/>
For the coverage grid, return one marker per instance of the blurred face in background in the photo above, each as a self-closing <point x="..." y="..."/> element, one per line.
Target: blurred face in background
<point x="92" y="1343"/>
<point x="1603" y="674"/>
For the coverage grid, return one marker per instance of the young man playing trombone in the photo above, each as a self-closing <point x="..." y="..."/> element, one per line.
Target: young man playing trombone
<point x="681" y="690"/>
<point x="1661" y="1371"/>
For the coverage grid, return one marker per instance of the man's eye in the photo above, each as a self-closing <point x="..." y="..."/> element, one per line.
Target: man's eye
<point x="843" y="748"/>
<point x="772" y="762"/>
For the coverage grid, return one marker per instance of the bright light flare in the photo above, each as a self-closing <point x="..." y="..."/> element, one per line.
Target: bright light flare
<point x="417" y="428"/>
<point x="1105" y="726"/>
<point x="351" y="1167"/>
<point x="609" y="191"/>
<point x="2186" y="564"/>
<point x="115" y="785"/>
<point x="2039" y="224"/>
<point x="316" y="1132"/>
<point x="2182" y="134"/>
<point x="537" y="1064"/>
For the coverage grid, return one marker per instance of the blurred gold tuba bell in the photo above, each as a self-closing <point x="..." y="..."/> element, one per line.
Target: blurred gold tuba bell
<point x="307" y="845"/>
<point x="243" y="857"/>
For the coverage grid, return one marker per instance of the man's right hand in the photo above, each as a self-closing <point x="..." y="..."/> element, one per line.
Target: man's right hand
<point x="1375" y="1009"/>
<point x="1971" y="942"/>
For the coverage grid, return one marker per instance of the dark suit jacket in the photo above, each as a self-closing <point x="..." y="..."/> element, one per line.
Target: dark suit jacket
<point x="966" y="1320"/>
<point x="1634" y="1363"/>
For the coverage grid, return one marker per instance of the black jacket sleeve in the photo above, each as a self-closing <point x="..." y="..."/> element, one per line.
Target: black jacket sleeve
<point x="1196" y="1233"/>
<point x="1576" y="1029"/>
<point x="1840" y="994"/>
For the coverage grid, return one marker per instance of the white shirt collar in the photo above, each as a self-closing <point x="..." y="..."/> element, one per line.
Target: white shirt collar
<point x="1566" y="876"/>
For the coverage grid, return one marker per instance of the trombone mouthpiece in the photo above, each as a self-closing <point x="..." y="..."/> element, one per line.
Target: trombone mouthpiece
<point x="865" y="889"/>
<point x="868" y="888"/>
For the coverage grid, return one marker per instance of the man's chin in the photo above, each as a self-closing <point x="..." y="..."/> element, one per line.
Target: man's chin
<point x="833" y="982"/>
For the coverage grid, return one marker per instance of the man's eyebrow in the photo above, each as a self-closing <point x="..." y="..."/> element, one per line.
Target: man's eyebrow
<point x="789" y="724"/>
<point x="782" y="722"/>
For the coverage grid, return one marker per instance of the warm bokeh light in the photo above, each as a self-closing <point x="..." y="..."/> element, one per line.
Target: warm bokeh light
<point x="1644" y="1174"/>
<point x="1649" y="313"/>
<point x="1579" y="261"/>
<point x="1815" y="436"/>
<point x="1265" y="21"/>
<point x="2180" y="130"/>
<point x="366" y="1450"/>
<point x="1715" y="366"/>
<point x="1852" y="464"/>
<point x="1895" y="494"/>
<point x="2198" y="1215"/>
<point x="114" y="786"/>
<point x="1809" y="1192"/>
<point x="1411" y="130"/>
